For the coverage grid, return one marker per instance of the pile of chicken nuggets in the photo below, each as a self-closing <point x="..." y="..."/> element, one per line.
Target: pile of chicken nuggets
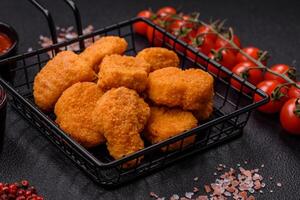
<point x="101" y="96"/>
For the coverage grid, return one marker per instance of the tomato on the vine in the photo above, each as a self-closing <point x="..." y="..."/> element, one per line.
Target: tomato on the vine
<point x="222" y="43"/>
<point x="165" y="11"/>
<point x="290" y="116"/>
<point x="202" y="44"/>
<point x="248" y="71"/>
<point x="223" y="56"/>
<point x="281" y="69"/>
<point x="294" y="92"/>
<point x="207" y="32"/>
<point x="141" y="27"/>
<point x="183" y="30"/>
<point x="278" y="95"/>
<point x="154" y="36"/>
<point x="255" y="53"/>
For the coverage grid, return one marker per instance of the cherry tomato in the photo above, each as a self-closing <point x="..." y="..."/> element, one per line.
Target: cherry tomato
<point x="141" y="27"/>
<point x="165" y="11"/>
<point x="222" y="43"/>
<point x="254" y="52"/>
<point x="154" y="36"/>
<point x="184" y="31"/>
<point x="203" y="44"/>
<point x="277" y="96"/>
<point x="281" y="69"/>
<point x="205" y="30"/>
<point x="244" y="70"/>
<point x="294" y="92"/>
<point x="223" y="56"/>
<point x="290" y="116"/>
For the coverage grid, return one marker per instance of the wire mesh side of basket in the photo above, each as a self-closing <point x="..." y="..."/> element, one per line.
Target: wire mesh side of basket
<point x="231" y="108"/>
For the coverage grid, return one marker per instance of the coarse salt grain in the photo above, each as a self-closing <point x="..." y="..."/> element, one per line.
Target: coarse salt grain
<point x="189" y="195"/>
<point x="279" y="184"/>
<point x="174" y="197"/>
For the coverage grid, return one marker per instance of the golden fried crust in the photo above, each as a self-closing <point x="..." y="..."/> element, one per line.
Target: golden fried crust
<point x="159" y="58"/>
<point x="104" y="46"/>
<point x="127" y="71"/>
<point x="121" y="115"/>
<point x="74" y="113"/>
<point x="168" y="122"/>
<point x="204" y="111"/>
<point x="61" y="72"/>
<point x="173" y="87"/>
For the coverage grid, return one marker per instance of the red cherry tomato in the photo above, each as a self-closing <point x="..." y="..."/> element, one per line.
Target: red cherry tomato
<point x="277" y="96"/>
<point x="244" y="70"/>
<point x="141" y="27"/>
<point x="203" y="44"/>
<point x="154" y="36"/>
<point x="294" y="92"/>
<point x="281" y="69"/>
<point x="254" y="52"/>
<point x="222" y="43"/>
<point x="205" y="30"/>
<point x="290" y="116"/>
<point x="165" y="11"/>
<point x="223" y="56"/>
<point x="183" y="30"/>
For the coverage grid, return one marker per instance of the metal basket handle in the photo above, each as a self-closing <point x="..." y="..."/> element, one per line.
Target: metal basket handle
<point x="51" y="23"/>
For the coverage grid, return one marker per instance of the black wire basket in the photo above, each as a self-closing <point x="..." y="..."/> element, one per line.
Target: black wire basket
<point x="232" y="107"/>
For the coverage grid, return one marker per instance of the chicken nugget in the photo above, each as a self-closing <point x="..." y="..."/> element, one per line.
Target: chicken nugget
<point x="188" y="89"/>
<point x="65" y="69"/>
<point x="204" y="111"/>
<point x="166" y="122"/>
<point x="159" y="58"/>
<point x="74" y="113"/>
<point x="104" y="46"/>
<point x="121" y="115"/>
<point x="127" y="71"/>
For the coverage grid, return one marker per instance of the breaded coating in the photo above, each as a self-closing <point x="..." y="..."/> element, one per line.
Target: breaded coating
<point x="188" y="89"/>
<point x="168" y="122"/>
<point x="121" y="115"/>
<point x="104" y="46"/>
<point x="204" y="111"/>
<point x="74" y="113"/>
<point x="65" y="69"/>
<point x="127" y="71"/>
<point x="159" y="58"/>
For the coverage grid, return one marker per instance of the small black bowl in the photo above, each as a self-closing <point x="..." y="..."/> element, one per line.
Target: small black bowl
<point x="3" y="104"/>
<point x="5" y="70"/>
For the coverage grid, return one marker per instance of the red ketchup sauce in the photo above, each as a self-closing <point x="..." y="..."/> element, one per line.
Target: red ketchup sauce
<point x="5" y="43"/>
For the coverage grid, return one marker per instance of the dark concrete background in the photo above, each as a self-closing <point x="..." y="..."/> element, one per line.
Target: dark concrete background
<point x="270" y="25"/>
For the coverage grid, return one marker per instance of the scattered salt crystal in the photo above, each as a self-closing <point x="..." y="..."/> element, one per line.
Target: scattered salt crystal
<point x="189" y="195"/>
<point x="196" y="179"/>
<point x="195" y="189"/>
<point x="174" y="197"/>
<point x="215" y="174"/>
<point x="227" y="194"/>
<point x="262" y="166"/>
<point x="161" y="198"/>
<point x="29" y="49"/>
<point x="260" y="191"/>
<point x="271" y="178"/>
<point x="152" y="194"/>
<point x="271" y="191"/>
<point x="246" y="162"/>
<point x="238" y="165"/>
<point x="279" y="184"/>
<point x="263" y="185"/>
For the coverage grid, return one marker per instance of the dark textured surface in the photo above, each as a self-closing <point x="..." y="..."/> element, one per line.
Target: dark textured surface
<point x="272" y="25"/>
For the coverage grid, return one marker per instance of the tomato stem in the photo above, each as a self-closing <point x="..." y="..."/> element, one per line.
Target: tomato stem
<point x="257" y="62"/>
